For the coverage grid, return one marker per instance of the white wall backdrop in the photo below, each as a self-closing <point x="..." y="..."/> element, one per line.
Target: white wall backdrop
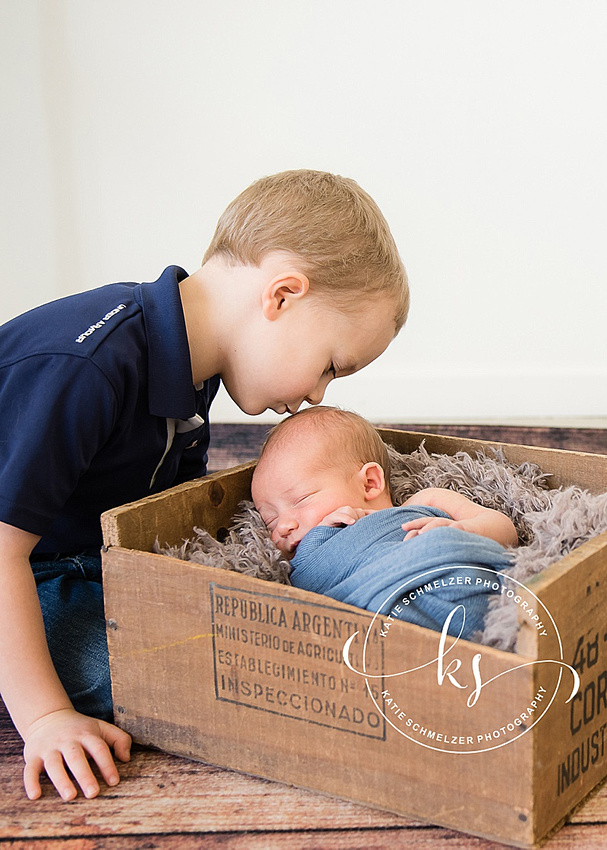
<point x="480" y="127"/>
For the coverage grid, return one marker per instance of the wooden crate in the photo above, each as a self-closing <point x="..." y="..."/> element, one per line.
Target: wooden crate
<point x="247" y="674"/>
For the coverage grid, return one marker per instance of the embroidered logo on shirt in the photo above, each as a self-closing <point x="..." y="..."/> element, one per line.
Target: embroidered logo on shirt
<point x="91" y="330"/>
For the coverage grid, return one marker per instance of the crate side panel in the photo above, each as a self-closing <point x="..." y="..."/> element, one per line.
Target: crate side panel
<point x="571" y="744"/>
<point x="170" y="516"/>
<point x="250" y="675"/>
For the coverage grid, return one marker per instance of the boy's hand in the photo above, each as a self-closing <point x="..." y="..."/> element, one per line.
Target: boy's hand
<point x="426" y="523"/>
<point x="66" y="738"/>
<point x="344" y="516"/>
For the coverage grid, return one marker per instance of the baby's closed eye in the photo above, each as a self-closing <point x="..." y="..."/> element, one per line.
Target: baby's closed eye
<point x="303" y="499"/>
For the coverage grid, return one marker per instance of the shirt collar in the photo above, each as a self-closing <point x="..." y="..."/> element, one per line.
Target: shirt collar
<point x="171" y="392"/>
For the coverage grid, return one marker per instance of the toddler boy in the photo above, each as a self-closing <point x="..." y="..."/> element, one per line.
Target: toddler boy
<point x="105" y="397"/>
<point x="322" y="487"/>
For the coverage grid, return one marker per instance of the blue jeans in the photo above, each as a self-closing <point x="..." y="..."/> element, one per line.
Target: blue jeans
<point x="71" y="598"/>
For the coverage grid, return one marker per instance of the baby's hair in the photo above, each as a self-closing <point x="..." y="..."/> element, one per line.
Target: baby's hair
<point x="332" y="225"/>
<point x="346" y="437"/>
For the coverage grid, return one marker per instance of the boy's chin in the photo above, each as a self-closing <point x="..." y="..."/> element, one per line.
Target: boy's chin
<point x="281" y="409"/>
<point x="256" y="409"/>
<point x="250" y="408"/>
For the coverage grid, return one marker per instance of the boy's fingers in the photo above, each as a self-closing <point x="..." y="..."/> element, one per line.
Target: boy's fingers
<point x="81" y="770"/>
<point x="100" y="753"/>
<point x="56" y="772"/>
<point x="31" y="779"/>
<point x="87" y="738"/>
<point x="119" y="740"/>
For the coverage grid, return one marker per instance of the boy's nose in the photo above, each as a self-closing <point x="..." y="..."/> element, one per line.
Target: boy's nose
<point x="318" y="393"/>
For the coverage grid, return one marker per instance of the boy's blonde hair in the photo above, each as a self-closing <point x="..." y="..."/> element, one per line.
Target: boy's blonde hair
<point x="330" y="223"/>
<point x="345" y="438"/>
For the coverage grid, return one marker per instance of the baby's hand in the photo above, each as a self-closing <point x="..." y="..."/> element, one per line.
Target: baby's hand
<point x="344" y="516"/>
<point x="426" y="523"/>
<point x="66" y="738"/>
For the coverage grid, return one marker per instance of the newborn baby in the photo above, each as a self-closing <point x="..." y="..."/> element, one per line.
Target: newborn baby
<point x="322" y="488"/>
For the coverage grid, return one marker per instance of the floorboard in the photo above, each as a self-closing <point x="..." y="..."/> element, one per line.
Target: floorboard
<point x="234" y="444"/>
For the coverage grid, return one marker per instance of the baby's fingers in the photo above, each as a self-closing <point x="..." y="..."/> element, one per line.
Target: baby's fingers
<point x="345" y="515"/>
<point x="419" y="526"/>
<point x="413" y="527"/>
<point x="415" y="523"/>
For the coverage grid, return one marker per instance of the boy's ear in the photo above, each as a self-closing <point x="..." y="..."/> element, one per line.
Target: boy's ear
<point x="284" y="289"/>
<point x="373" y="480"/>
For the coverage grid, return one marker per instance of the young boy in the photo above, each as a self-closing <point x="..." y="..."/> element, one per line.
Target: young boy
<point x="105" y="396"/>
<point x="322" y="487"/>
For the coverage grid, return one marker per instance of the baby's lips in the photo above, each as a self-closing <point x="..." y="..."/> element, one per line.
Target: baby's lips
<point x="291" y="549"/>
<point x="288" y="550"/>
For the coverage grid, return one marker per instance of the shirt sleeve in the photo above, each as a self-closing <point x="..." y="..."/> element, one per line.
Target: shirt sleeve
<point x="57" y="411"/>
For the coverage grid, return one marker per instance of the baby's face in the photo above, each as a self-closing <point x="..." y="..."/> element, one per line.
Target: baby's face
<point x="293" y="491"/>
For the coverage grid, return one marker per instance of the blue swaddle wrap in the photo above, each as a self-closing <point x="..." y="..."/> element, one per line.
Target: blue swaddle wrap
<point x="366" y="563"/>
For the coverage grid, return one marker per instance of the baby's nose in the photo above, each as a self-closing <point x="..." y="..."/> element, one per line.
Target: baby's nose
<point x="286" y="526"/>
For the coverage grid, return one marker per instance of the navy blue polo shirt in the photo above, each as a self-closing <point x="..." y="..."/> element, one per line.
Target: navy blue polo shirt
<point x="97" y="408"/>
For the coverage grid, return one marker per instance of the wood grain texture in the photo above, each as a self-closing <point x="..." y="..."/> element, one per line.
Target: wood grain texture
<point x="587" y="838"/>
<point x="234" y="444"/>
<point x="166" y="802"/>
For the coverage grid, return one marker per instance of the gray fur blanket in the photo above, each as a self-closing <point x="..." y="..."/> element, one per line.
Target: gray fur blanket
<point x="550" y="522"/>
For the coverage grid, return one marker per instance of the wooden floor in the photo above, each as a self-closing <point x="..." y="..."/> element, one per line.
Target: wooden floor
<point x="167" y="802"/>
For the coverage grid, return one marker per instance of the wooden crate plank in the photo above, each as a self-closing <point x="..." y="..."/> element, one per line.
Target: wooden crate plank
<point x="566" y="467"/>
<point x="170" y="516"/>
